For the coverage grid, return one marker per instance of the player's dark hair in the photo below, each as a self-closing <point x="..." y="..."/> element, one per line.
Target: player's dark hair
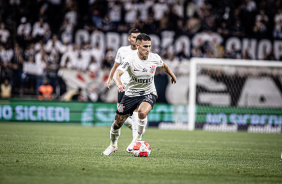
<point x="143" y="37"/>
<point x="133" y="30"/>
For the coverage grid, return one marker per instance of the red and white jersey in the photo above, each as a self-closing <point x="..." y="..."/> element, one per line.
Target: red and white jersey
<point x="141" y="74"/>
<point x="121" y="54"/>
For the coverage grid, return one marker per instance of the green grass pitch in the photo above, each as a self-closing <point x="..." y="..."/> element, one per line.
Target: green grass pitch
<point x="48" y="153"/>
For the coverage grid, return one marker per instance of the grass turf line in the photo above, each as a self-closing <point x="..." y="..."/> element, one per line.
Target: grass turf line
<point x="40" y="153"/>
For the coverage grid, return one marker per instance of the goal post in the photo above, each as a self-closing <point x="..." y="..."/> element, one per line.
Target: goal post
<point x="249" y="69"/>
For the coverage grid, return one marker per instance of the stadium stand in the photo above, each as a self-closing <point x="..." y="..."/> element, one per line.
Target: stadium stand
<point x="41" y="34"/>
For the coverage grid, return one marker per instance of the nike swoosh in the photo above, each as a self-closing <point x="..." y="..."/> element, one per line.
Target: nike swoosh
<point x="136" y="70"/>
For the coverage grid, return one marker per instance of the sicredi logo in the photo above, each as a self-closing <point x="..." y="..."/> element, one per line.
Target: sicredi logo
<point x="35" y="113"/>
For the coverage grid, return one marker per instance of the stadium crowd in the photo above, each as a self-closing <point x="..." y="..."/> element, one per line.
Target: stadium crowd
<point x="38" y="35"/>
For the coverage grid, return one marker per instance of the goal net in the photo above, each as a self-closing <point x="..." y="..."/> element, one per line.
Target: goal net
<point x="231" y="95"/>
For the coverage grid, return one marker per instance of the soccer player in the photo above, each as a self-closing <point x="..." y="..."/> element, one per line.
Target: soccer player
<point x="121" y="54"/>
<point x="140" y="92"/>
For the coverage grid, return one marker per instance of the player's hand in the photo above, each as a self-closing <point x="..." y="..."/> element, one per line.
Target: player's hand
<point x="173" y="80"/>
<point x="121" y="88"/>
<point x="108" y="83"/>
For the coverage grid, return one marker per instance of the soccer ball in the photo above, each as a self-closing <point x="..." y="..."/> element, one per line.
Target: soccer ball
<point x="141" y="149"/>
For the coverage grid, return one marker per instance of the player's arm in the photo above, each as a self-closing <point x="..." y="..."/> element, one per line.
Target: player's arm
<point x="167" y="70"/>
<point x="120" y="86"/>
<point x="112" y="74"/>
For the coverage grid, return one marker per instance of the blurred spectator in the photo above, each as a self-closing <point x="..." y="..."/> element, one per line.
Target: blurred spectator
<point x="145" y="8"/>
<point x="68" y="58"/>
<point x="66" y="31"/>
<point x="4" y="34"/>
<point x="98" y="10"/>
<point x="261" y="22"/>
<point x="191" y="8"/>
<point x="178" y="8"/>
<point x="159" y="10"/>
<point x="166" y="54"/>
<point x="250" y="5"/>
<point x="233" y="53"/>
<point x="183" y="53"/>
<point x="269" y="56"/>
<point x="196" y="52"/>
<point x="24" y="28"/>
<point x="277" y="33"/>
<point x="54" y="46"/>
<point x="6" y="89"/>
<point x="107" y="25"/>
<point x="17" y="68"/>
<point x="6" y="55"/>
<point x="52" y="67"/>
<point x="259" y="29"/>
<point x="45" y="90"/>
<point x="114" y="11"/>
<point x="82" y="60"/>
<point x="28" y="76"/>
<point x="208" y="22"/>
<point x="29" y="51"/>
<point x="223" y="29"/>
<point x="40" y="28"/>
<point x="131" y="10"/>
<point x="246" y="54"/>
<point x="39" y="45"/>
<point x="71" y="15"/>
<point x="41" y="61"/>
<point x="98" y="53"/>
<point x="237" y="29"/>
<point x="75" y="94"/>
<point x="109" y="59"/>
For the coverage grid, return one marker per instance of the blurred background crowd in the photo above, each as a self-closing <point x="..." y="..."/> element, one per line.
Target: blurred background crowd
<point x="42" y="32"/>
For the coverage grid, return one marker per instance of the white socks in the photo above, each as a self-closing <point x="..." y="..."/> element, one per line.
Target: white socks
<point x="137" y="125"/>
<point x="114" y="135"/>
<point x="141" y="127"/>
<point x="128" y="122"/>
<point x="134" y="125"/>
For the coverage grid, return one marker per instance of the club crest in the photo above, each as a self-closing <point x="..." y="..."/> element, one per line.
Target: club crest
<point x="152" y="69"/>
<point x="120" y="107"/>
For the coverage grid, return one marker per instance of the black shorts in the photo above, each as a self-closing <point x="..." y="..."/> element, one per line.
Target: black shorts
<point x="120" y="95"/>
<point x="129" y="104"/>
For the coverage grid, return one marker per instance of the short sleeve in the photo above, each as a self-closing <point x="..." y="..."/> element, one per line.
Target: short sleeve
<point x="124" y="66"/>
<point x="118" y="57"/>
<point x="159" y="61"/>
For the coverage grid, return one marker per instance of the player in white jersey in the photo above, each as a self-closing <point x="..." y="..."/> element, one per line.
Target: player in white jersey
<point x="140" y="92"/>
<point x="121" y="54"/>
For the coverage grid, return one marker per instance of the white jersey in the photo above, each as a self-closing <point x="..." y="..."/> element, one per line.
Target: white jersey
<point x="121" y="54"/>
<point x="141" y="74"/>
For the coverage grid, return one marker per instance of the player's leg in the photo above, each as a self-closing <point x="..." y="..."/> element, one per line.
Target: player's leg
<point x="146" y="105"/>
<point x="143" y="111"/>
<point x="134" y="130"/>
<point x="135" y="123"/>
<point x="115" y="133"/>
<point x="128" y="122"/>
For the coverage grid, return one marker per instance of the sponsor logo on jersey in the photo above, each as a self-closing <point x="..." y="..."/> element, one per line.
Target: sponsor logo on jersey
<point x="135" y="69"/>
<point x="152" y="69"/>
<point x="120" y="107"/>
<point x="149" y="80"/>
<point x="144" y="70"/>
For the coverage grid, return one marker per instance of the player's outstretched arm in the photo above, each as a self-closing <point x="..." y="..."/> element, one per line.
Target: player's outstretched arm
<point x="167" y="70"/>
<point x="120" y="86"/>
<point x="108" y="83"/>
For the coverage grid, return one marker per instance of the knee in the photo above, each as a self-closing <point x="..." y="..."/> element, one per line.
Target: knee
<point x="116" y="125"/>
<point x="142" y="114"/>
